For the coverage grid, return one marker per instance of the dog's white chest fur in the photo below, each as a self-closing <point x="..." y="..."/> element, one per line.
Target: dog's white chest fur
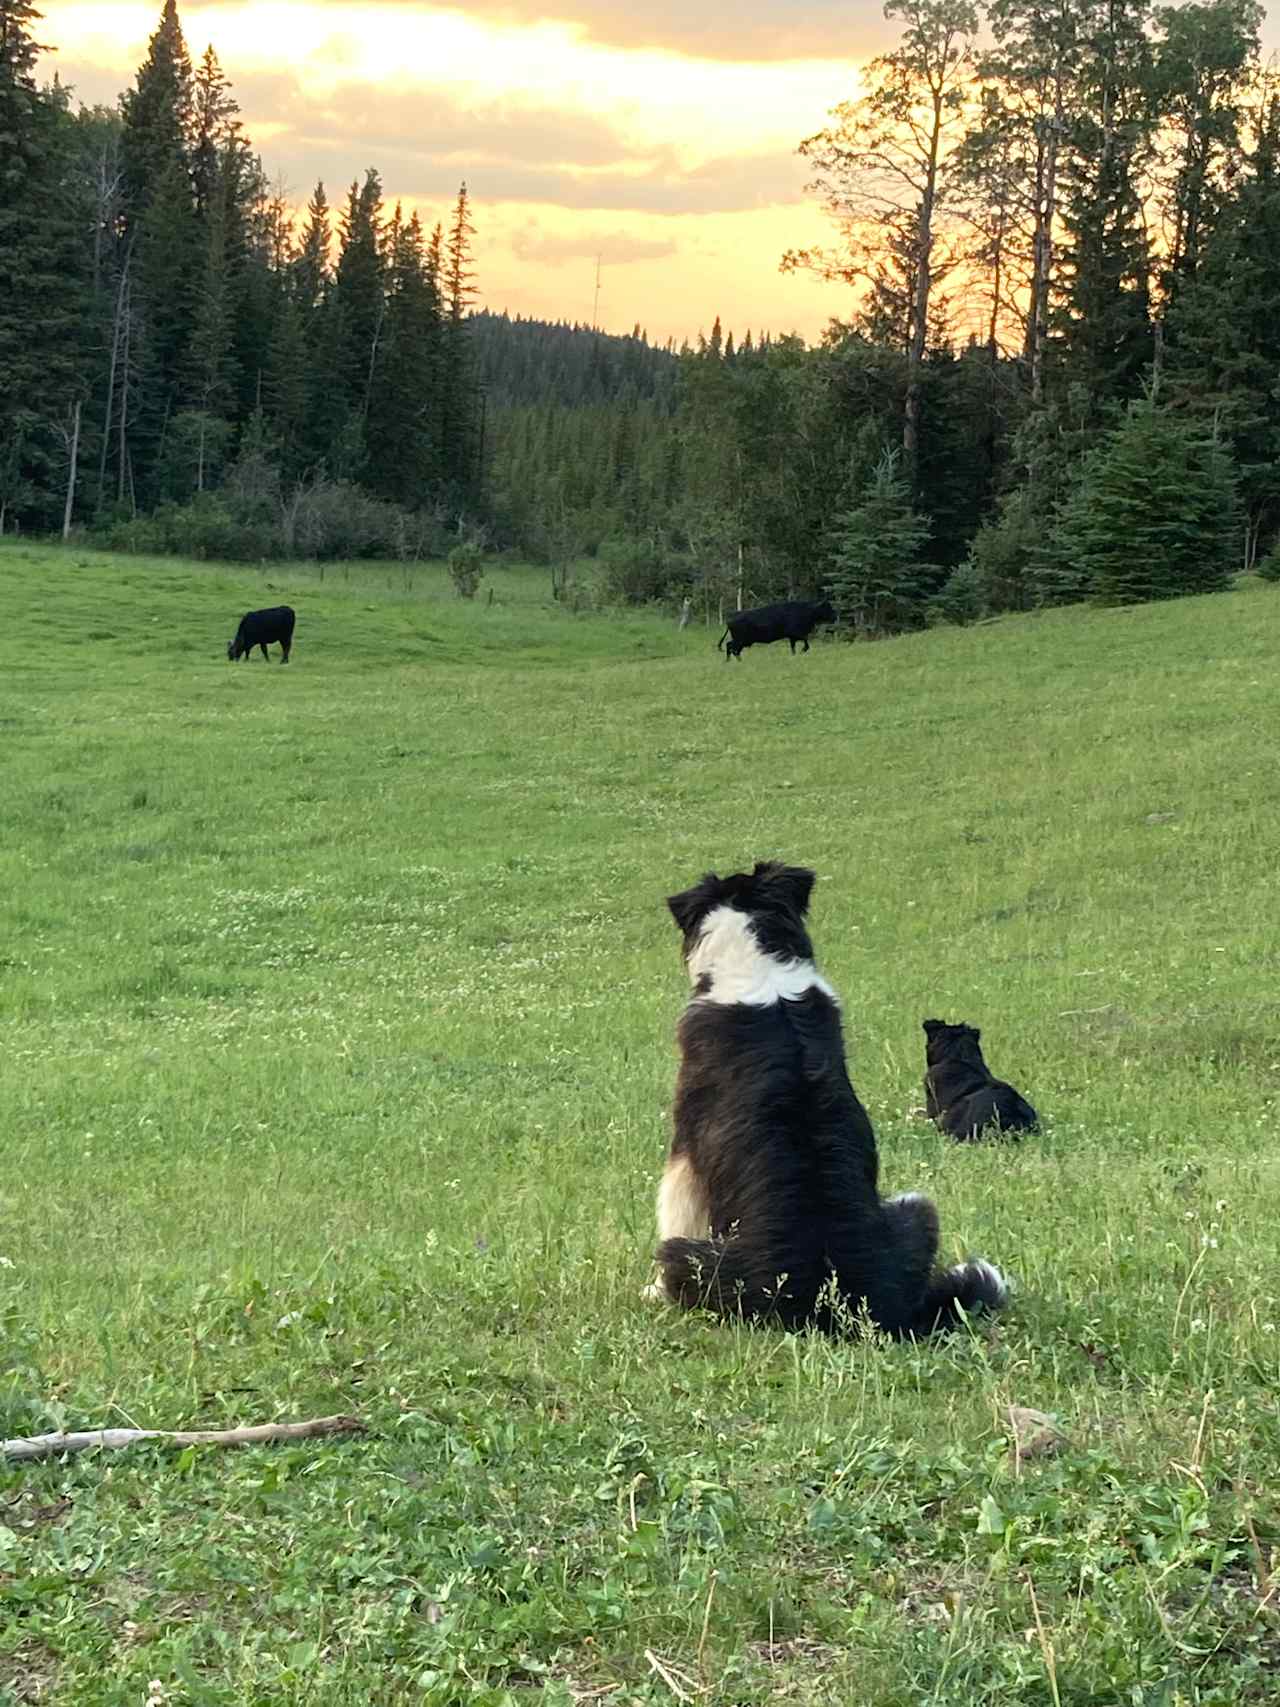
<point x="739" y="971"/>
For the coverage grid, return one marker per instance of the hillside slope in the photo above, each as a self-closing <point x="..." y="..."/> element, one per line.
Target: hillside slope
<point x="338" y="1009"/>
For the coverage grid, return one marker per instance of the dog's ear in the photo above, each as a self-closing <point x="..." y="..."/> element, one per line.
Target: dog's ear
<point x="691" y="903"/>
<point x="932" y="1026"/>
<point x="792" y="884"/>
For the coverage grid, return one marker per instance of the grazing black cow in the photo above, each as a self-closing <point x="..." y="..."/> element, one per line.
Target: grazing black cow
<point x="962" y="1096"/>
<point x="260" y="628"/>
<point x="793" y="620"/>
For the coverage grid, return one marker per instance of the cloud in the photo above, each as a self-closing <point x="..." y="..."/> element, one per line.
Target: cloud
<point x="424" y="143"/>
<point x="713" y="29"/>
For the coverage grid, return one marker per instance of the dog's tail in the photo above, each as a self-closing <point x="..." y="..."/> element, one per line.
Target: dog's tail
<point x="718" y="1275"/>
<point x="960" y="1291"/>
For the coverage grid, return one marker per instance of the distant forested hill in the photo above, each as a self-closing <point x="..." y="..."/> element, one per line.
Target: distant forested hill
<point x="540" y="361"/>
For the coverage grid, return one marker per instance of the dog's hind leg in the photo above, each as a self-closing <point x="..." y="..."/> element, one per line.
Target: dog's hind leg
<point x="682" y="1214"/>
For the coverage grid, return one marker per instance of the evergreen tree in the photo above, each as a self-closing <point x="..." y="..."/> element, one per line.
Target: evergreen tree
<point x="214" y="129"/>
<point x="1154" y="513"/>
<point x="1223" y="361"/>
<point x="358" y="306"/>
<point x="457" y="389"/>
<point x="157" y="115"/>
<point x="310" y="269"/>
<point x="1104" y="325"/>
<point x="877" y="579"/>
<point x="401" y="432"/>
<point x="44" y="261"/>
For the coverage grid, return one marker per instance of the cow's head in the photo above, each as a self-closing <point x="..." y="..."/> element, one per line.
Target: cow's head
<point x="233" y="649"/>
<point x="824" y="612"/>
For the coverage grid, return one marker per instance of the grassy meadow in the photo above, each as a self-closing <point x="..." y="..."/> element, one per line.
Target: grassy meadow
<point x="337" y="1052"/>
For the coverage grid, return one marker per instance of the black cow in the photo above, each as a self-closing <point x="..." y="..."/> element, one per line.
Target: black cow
<point x="260" y="628"/>
<point x="793" y="620"/>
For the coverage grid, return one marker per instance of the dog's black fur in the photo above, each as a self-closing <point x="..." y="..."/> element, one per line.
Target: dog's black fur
<point x="260" y="628"/>
<point x="774" y="1155"/>
<point x="961" y="1095"/>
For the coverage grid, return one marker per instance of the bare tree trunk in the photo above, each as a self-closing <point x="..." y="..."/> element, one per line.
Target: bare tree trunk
<point x="1042" y="266"/>
<point x="117" y="324"/>
<point x="124" y="400"/>
<point x="71" y="474"/>
<point x="920" y="305"/>
<point x="741" y="574"/>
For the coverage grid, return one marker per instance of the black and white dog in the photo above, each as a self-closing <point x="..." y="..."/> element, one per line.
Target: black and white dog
<point x="769" y="1206"/>
<point x="962" y="1095"/>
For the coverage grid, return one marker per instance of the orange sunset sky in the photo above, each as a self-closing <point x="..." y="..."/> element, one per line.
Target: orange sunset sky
<point x="659" y="135"/>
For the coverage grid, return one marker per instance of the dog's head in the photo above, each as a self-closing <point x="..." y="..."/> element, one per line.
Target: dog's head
<point x="774" y="897"/>
<point x="945" y="1042"/>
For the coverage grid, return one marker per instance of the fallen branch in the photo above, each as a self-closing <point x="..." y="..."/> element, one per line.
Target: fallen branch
<point x="108" y="1439"/>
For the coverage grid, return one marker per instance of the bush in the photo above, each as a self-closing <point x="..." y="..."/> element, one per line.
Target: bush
<point x="639" y="572"/>
<point x="1269" y="566"/>
<point x="466" y="567"/>
<point x="204" y="528"/>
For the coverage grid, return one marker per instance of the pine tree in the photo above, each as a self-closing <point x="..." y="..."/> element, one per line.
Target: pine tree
<point x="1104" y="324"/>
<point x="1154" y="514"/>
<point x="44" y="266"/>
<point x="877" y="579"/>
<point x="1223" y="363"/>
<point x="157" y="115"/>
<point x="401" y="431"/>
<point x="214" y="130"/>
<point x="311" y="266"/>
<point x="458" y="392"/>
<point x="359" y="305"/>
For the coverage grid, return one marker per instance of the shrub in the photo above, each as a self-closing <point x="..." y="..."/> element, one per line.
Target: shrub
<point x="639" y="572"/>
<point x="466" y="567"/>
<point x="1269" y="566"/>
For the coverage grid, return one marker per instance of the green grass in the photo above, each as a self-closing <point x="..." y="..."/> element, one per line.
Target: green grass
<point x="338" y="1008"/>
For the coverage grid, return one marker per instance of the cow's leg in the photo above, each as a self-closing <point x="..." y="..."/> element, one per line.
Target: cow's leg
<point x="265" y="654"/>
<point x="806" y="643"/>
<point x="793" y="646"/>
<point x="284" y="651"/>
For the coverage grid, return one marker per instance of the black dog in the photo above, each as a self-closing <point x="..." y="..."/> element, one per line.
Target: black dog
<point x="769" y="1206"/>
<point x="961" y="1095"/>
<point x="260" y="628"/>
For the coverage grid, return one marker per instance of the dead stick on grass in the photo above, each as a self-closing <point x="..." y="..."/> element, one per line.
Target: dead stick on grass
<point x="664" y="1672"/>
<point x="1046" y="1646"/>
<point x="706" y="1618"/>
<point x="110" y="1439"/>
